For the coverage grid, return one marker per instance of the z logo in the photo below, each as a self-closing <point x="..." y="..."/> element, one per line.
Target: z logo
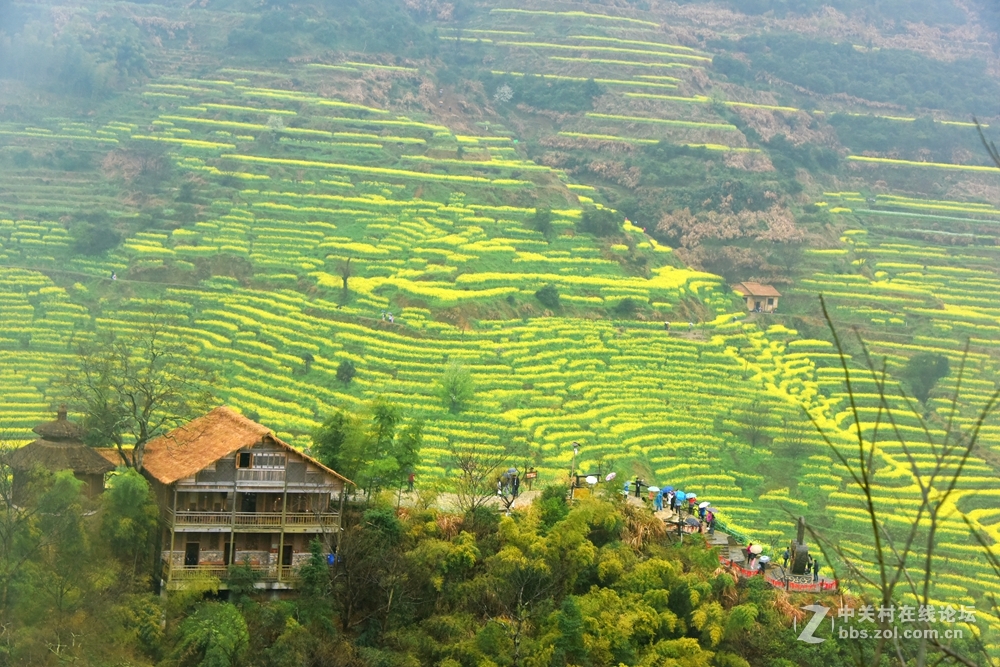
<point x="819" y="613"/>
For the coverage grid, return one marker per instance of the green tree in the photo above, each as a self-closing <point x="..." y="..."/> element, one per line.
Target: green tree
<point x="552" y="505"/>
<point x="215" y="635"/>
<point x="57" y="594"/>
<point x="330" y="442"/>
<point x="456" y="388"/>
<point x="922" y="373"/>
<point x="94" y="235"/>
<point x="541" y="221"/>
<point x="627" y="307"/>
<point x="366" y="578"/>
<point x="373" y="448"/>
<point x="548" y="296"/>
<point x="600" y="222"/>
<point x="346" y="371"/>
<point x="130" y="520"/>
<point x="315" y="587"/>
<point x="569" y="646"/>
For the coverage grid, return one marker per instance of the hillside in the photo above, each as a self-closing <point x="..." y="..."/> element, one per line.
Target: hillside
<point x="230" y="163"/>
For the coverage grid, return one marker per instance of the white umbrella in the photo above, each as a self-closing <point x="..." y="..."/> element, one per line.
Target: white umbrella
<point x="653" y="489"/>
<point x="704" y="504"/>
<point x="591" y="480"/>
<point x="756" y="549"/>
<point x="610" y="476"/>
<point x="765" y="559"/>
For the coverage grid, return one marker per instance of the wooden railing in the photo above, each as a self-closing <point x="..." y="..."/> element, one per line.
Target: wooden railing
<point x="284" y="573"/>
<point x="273" y="475"/>
<point x="253" y="519"/>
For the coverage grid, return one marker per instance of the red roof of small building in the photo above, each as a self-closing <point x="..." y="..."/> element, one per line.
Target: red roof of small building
<point x="755" y="289"/>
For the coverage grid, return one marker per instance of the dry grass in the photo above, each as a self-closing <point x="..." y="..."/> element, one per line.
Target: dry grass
<point x="641" y="527"/>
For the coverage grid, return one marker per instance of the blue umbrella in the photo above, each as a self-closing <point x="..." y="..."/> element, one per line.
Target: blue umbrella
<point x="680" y="495"/>
<point x="669" y="488"/>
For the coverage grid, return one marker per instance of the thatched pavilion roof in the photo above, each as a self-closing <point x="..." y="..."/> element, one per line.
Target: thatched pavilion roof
<point x="60" y="448"/>
<point x="61" y="429"/>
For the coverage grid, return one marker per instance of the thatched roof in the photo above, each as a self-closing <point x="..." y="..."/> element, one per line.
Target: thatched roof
<point x="60" y="448"/>
<point x="60" y="430"/>
<point x="110" y="454"/>
<point x="755" y="289"/>
<point x="54" y="456"/>
<point x="222" y="432"/>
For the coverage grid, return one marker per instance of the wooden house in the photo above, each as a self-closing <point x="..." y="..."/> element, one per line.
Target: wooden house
<point x="60" y="446"/>
<point x="231" y="492"/>
<point x="758" y="298"/>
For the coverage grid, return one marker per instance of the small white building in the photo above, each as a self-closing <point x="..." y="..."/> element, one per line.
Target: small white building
<point x="759" y="298"/>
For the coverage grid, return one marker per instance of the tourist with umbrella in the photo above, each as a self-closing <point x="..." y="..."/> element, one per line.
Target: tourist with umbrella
<point x="710" y="519"/>
<point x="657" y="498"/>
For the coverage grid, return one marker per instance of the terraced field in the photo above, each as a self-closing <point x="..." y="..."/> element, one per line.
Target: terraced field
<point x="292" y="181"/>
<point x="656" y="88"/>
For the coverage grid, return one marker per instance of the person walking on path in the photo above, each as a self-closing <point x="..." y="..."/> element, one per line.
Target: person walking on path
<point x="409" y="482"/>
<point x="658" y="501"/>
<point x="638" y="487"/>
<point x="710" y="518"/>
<point x="784" y="558"/>
<point x="516" y="485"/>
<point x="701" y="513"/>
<point x="749" y="553"/>
<point x="815" y="570"/>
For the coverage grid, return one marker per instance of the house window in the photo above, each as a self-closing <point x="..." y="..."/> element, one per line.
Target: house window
<point x="270" y="460"/>
<point x="770" y="302"/>
<point x="266" y="460"/>
<point x="213" y="541"/>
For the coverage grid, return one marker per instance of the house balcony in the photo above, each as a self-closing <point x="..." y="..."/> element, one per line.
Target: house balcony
<point x="267" y="576"/>
<point x="254" y="522"/>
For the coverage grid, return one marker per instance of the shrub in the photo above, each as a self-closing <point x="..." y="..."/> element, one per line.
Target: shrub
<point x="549" y="296"/>
<point x="456" y="388"/>
<point x="600" y="222"/>
<point x="627" y="307"/>
<point x="552" y="505"/>
<point x="541" y="222"/>
<point x="346" y="371"/>
<point x="923" y="371"/>
<point x="94" y="236"/>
